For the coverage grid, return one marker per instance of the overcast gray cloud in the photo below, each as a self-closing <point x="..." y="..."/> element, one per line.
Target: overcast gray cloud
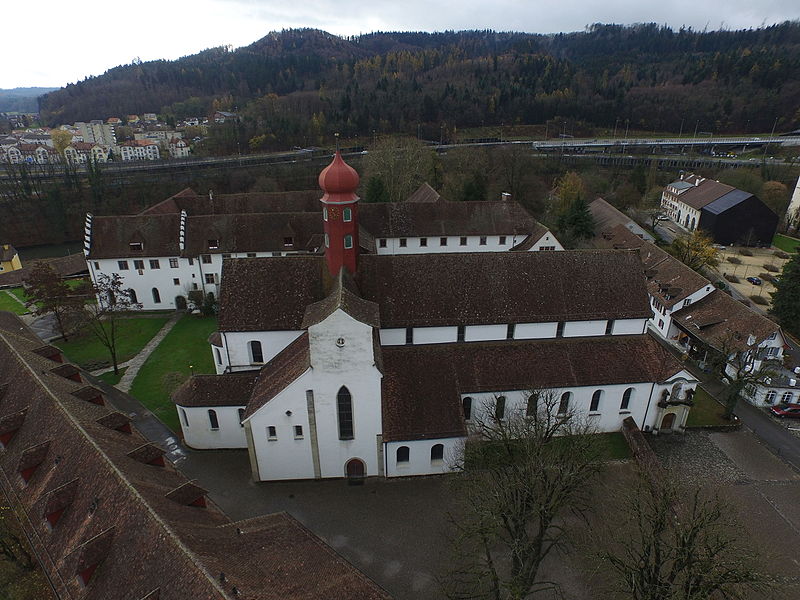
<point x="77" y="40"/>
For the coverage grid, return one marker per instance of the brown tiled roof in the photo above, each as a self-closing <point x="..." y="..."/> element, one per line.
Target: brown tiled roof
<point x="400" y="219"/>
<point x="215" y="339"/>
<point x="724" y="323"/>
<point x="442" y="289"/>
<point x="667" y="276"/>
<point x="112" y="236"/>
<point x="89" y="479"/>
<point x="422" y="385"/>
<point x="186" y="493"/>
<point x="65" y="266"/>
<point x="146" y="453"/>
<point x="424" y="193"/>
<point x="254" y="202"/>
<point x="229" y="389"/>
<point x="504" y="287"/>
<point x="264" y="294"/>
<point x="33" y="456"/>
<point x="344" y="296"/>
<point x="283" y="369"/>
<point x="264" y="232"/>
<point x="705" y="193"/>
<point x="11" y="323"/>
<point x="114" y="420"/>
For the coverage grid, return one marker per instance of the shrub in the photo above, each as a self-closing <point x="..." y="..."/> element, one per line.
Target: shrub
<point x="771" y="268"/>
<point x="766" y="276"/>
<point x="781" y="254"/>
<point x="735" y="260"/>
<point x="759" y="299"/>
<point x="721" y="285"/>
<point x="746" y="252"/>
<point x="731" y="277"/>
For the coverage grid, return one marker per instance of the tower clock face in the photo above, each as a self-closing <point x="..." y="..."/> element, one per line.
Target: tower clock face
<point x="333" y="213"/>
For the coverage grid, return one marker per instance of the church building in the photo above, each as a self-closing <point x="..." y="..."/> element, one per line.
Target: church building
<point x="355" y="364"/>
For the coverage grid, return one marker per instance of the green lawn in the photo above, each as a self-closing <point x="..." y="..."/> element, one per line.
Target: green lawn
<point x="8" y="303"/>
<point x="110" y="378"/>
<point x="706" y="411"/>
<point x="613" y="446"/>
<point x="85" y="350"/>
<point x="785" y="243"/>
<point x="185" y="345"/>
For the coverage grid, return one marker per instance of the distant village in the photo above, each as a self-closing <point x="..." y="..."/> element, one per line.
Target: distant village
<point x="132" y="138"/>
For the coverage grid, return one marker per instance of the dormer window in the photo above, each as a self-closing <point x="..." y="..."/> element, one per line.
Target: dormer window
<point x="288" y="241"/>
<point x="213" y="244"/>
<point x="136" y="247"/>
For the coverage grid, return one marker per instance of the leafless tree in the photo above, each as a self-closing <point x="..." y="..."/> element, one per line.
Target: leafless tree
<point x="520" y="475"/>
<point x="678" y="543"/>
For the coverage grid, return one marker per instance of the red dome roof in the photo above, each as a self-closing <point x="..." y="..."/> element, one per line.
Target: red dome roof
<point x="338" y="177"/>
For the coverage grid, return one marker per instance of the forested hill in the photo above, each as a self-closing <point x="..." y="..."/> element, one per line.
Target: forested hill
<point x="21" y="99"/>
<point x="299" y="83"/>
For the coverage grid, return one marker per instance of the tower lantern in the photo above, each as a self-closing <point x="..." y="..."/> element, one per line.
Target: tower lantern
<point x="339" y="181"/>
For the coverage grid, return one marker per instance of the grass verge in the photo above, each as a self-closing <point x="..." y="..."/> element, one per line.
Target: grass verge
<point x="85" y="350"/>
<point x="7" y="302"/>
<point x="785" y="243"/>
<point x="613" y="446"/>
<point x="706" y="412"/>
<point x="186" y="344"/>
<point x="110" y="378"/>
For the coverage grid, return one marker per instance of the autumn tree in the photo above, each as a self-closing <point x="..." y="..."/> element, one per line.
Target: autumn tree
<point x="569" y="188"/>
<point x="103" y="317"/>
<point x="520" y="474"/>
<point x="775" y="195"/>
<point x="48" y="294"/>
<point x="61" y="139"/>
<point x="679" y="543"/>
<point x="695" y="250"/>
<point x="402" y="164"/>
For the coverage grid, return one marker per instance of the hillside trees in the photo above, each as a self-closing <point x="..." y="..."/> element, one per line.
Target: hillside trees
<point x="786" y="297"/>
<point x="401" y="165"/>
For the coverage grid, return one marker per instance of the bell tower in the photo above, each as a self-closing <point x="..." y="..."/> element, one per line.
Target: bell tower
<point x="339" y="181"/>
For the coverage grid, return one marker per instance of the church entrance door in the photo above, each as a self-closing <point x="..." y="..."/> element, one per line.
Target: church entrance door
<point x="668" y="422"/>
<point x="354" y="469"/>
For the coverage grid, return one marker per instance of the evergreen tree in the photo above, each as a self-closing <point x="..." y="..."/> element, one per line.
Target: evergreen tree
<point x="786" y="297"/>
<point x="376" y="190"/>
<point x="577" y="222"/>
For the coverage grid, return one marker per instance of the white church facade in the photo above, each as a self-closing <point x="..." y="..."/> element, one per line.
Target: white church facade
<point x="357" y="364"/>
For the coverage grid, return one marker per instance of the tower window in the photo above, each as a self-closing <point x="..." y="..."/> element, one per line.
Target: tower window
<point x="327" y="241"/>
<point x="324" y="213"/>
<point x="348" y="241"/>
<point x="347" y="215"/>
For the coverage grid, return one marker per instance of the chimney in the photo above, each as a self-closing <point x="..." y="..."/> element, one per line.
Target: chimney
<point x="505" y="196"/>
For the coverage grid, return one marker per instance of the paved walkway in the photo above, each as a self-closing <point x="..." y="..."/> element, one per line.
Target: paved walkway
<point x="134" y="364"/>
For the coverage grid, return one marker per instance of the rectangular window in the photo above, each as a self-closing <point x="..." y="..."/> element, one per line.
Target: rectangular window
<point x="206" y="258"/>
<point x="225" y="255"/>
<point x="502" y="240"/>
<point x="443" y="241"/>
<point x="687" y="302"/>
<point x="463" y="241"/>
<point x="609" y="326"/>
<point x="122" y="264"/>
<point x="298" y="432"/>
<point x="482" y="240"/>
<point x="382" y="243"/>
<point x="138" y="265"/>
<point x="136" y="247"/>
<point x="461" y="333"/>
<point x="272" y="433"/>
<point x="154" y="264"/>
<point x="97" y="265"/>
<point x="423" y="242"/>
<point x="510" y="331"/>
<point x="409" y="335"/>
<point x="209" y="278"/>
<point x="176" y="281"/>
<point x="173" y="263"/>
<point x="213" y="244"/>
<point x="251" y="255"/>
<point x="191" y="262"/>
<point x="403" y="242"/>
<point x="276" y="254"/>
<point x="560" y="329"/>
<point x="660" y="324"/>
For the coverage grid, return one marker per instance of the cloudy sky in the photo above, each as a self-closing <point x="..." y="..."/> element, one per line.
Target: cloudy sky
<point x="68" y="41"/>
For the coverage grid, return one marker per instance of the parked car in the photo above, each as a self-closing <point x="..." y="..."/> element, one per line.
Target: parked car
<point x="786" y="410"/>
<point x="754" y="280"/>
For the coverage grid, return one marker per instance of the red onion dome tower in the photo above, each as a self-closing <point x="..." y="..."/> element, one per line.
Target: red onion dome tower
<point x="339" y="181"/>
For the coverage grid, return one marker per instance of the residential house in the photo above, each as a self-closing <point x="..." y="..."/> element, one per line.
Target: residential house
<point x="9" y="259"/>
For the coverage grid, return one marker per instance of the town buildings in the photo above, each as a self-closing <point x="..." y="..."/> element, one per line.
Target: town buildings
<point x="358" y="364"/>
<point x="727" y="214"/>
<point x="9" y="259"/>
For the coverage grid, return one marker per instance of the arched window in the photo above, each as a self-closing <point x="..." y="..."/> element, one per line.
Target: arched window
<point x="347" y="215"/>
<point x="563" y="404"/>
<point x="156" y="296"/>
<point x="627" y="395"/>
<point x="348" y="241"/>
<point x="218" y="356"/>
<point x="500" y="408"/>
<point x="770" y="397"/>
<point x="241" y="416"/>
<point x="256" y="354"/>
<point x="533" y="405"/>
<point x="184" y="418"/>
<point x="212" y="419"/>
<point x="467" y="404"/>
<point x="344" y="409"/>
<point x="595" y="404"/>
<point x="437" y="453"/>
<point x="327" y="241"/>
<point x="403" y="454"/>
<point x="132" y="296"/>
